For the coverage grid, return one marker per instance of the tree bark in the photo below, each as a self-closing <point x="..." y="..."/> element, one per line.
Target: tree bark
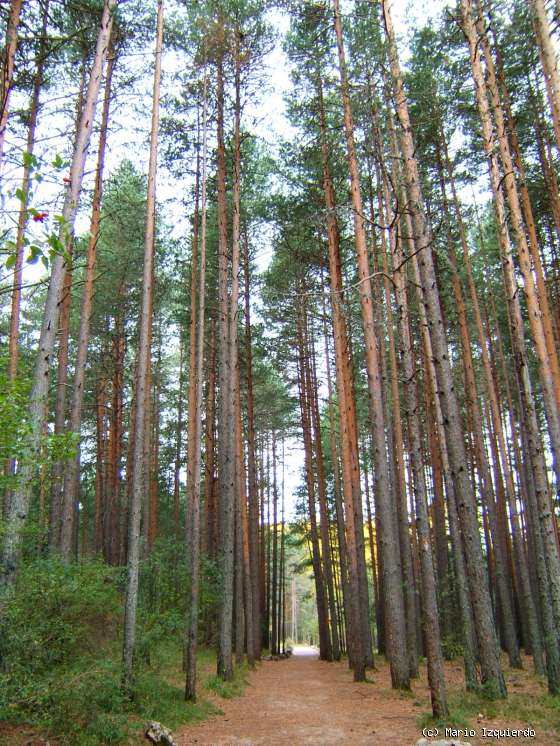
<point x="412" y="409"/>
<point x="251" y="465"/>
<point x="492" y="676"/>
<point x="194" y="470"/>
<point x="351" y="488"/>
<point x="142" y="392"/>
<point x="13" y="345"/>
<point x="392" y="583"/>
<point x="323" y="509"/>
<point x="537" y="305"/>
<point x="178" y="448"/>
<point x="8" y="61"/>
<point x="17" y="513"/>
<point x="543" y="498"/>
<point x="72" y="470"/>
<point x="226" y="467"/>
<point x="549" y="63"/>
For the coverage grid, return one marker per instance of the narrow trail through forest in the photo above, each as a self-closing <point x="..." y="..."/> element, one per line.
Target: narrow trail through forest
<point x="303" y="700"/>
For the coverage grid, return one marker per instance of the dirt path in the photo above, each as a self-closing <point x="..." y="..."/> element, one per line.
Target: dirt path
<point x="303" y="700"/>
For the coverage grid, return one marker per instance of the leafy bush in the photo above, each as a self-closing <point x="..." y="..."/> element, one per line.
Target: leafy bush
<point x="57" y="612"/>
<point x="451" y="648"/>
<point x="60" y="654"/>
<point x="55" y="634"/>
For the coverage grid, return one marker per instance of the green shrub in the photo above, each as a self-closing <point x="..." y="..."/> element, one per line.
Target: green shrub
<point x="56" y="634"/>
<point x="229" y="689"/>
<point x="60" y="655"/>
<point x="58" y="611"/>
<point x="451" y="648"/>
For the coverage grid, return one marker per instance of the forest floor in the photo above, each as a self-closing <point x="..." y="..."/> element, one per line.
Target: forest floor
<point x="302" y="700"/>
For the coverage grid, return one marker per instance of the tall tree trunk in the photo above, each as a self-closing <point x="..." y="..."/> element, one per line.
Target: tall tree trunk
<point x="492" y="676"/>
<point x="13" y="345"/>
<point x="114" y="507"/>
<point x="251" y="464"/>
<point x="192" y="443"/>
<point x="194" y="469"/>
<point x="394" y="601"/>
<point x="153" y="482"/>
<point x="543" y="498"/>
<point x="178" y="448"/>
<point x="537" y="306"/>
<point x="267" y="559"/>
<point x="501" y="459"/>
<point x="57" y="484"/>
<point x="538" y="505"/>
<point x="323" y="509"/>
<point x="412" y="409"/>
<point x="549" y="63"/>
<point x="337" y="489"/>
<point x="146" y="509"/>
<point x="502" y="584"/>
<point x="100" y="464"/>
<point x="226" y="466"/>
<point x="351" y="488"/>
<point x="243" y="595"/>
<point x="210" y="448"/>
<point x="249" y="631"/>
<point x="72" y="470"/>
<point x="57" y="477"/>
<point x="371" y="533"/>
<point x="467" y="632"/>
<point x="305" y="395"/>
<point x="142" y="392"/>
<point x="16" y="515"/>
<point x="397" y="443"/>
<point x="527" y="209"/>
<point x="273" y="572"/>
<point x="8" y="60"/>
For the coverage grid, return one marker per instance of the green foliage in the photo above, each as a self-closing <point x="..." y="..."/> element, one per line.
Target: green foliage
<point x="229" y="689"/>
<point x="52" y="630"/>
<point x="536" y="710"/>
<point x="60" y="653"/>
<point x="53" y="614"/>
<point x="15" y="432"/>
<point x="14" y="426"/>
<point x="451" y="648"/>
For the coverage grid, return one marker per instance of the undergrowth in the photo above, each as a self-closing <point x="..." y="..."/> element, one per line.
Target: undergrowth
<point x="229" y="689"/>
<point x="60" y="658"/>
<point x="467" y="708"/>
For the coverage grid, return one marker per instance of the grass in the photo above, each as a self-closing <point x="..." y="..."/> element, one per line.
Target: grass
<point x="84" y="705"/>
<point x="537" y="709"/>
<point x="229" y="689"/>
<point x="60" y="647"/>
